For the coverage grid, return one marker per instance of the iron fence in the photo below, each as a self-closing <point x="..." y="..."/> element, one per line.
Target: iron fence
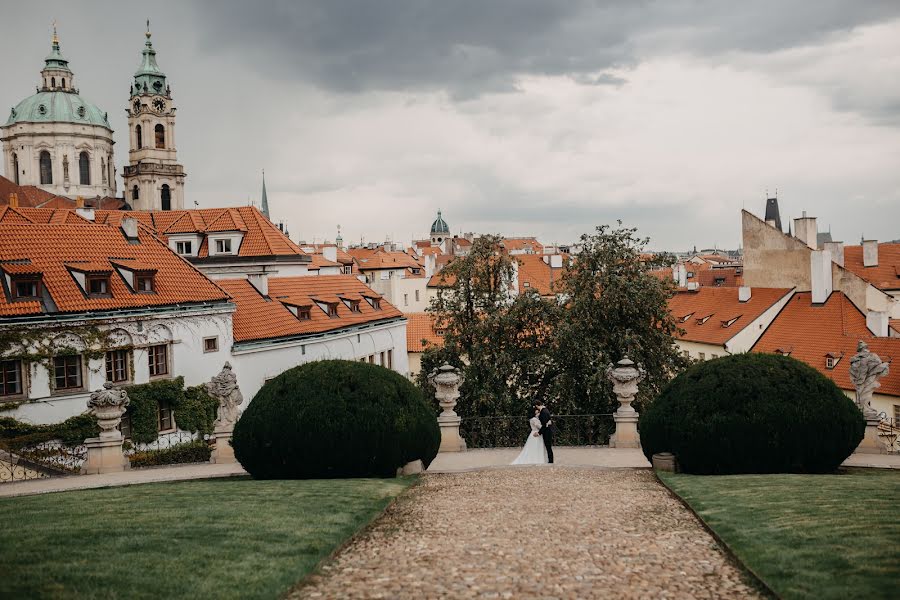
<point x="169" y="448"/>
<point x="39" y="460"/>
<point x="512" y="430"/>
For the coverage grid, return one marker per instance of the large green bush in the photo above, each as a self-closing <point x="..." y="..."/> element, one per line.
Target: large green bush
<point x="335" y="418"/>
<point x="752" y="413"/>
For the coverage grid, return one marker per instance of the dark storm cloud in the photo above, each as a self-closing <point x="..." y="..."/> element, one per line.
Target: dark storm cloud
<point x="468" y="47"/>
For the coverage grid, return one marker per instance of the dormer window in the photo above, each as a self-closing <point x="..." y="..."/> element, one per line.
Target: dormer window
<point x="304" y="313"/>
<point x="184" y="248"/>
<point x="832" y="359"/>
<point x="439" y="332"/>
<point x="353" y="305"/>
<point x="730" y="322"/>
<point x="373" y="302"/>
<point x="332" y="310"/>
<point x="98" y="285"/>
<point x="685" y="318"/>
<point x="783" y="351"/>
<point x="145" y="283"/>
<point x="223" y="246"/>
<point x="26" y="288"/>
<point x="703" y="320"/>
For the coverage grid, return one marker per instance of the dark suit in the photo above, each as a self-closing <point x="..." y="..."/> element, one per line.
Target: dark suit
<point x="547" y="432"/>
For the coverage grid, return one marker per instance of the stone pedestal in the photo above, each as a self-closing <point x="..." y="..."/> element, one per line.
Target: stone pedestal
<point x="104" y="456"/>
<point x="411" y="468"/>
<point x="446" y="381"/>
<point x="222" y="451"/>
<point x="871" y="442"/>
<point x="665" y="461"/>
<point x="626" y="435"/>
<point x="625" y="377"/>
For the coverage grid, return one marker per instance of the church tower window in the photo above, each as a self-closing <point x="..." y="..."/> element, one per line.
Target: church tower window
<point x="84" y="168"/>
<point x="46" y="168"/>
<point x="16" y="168"/>
<point x="134" y="193"/>
<point x="166" y="197"/>
<point x="63" y="83"/>
<point x="52" y="82"/>
<point x="140" y="141"/>
<point x="160" y="132"/>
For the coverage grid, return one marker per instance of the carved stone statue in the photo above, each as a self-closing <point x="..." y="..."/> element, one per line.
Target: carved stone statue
<point x="866" y="368"/>
<point x="224" y="388"/>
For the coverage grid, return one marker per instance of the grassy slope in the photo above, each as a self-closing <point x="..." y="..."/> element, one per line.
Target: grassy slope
<point x="807" y="536"/>
<point x="230" y="538"/>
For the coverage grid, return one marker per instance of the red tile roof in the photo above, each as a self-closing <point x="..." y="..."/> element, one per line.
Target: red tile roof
<point x="808" y="332"/>
<point x="885" y="276"/>
<point x="707" y="315"/>
<point x="56" y="249"/>
<point x="524" y="243"/>
<point x="378" y="259"/>
<point x="720" y="277"/>
<point x="420" y="332"/>
<point x="258" y="319"/>
<point x="537" y="275"/>
<point x="30" y="196"/>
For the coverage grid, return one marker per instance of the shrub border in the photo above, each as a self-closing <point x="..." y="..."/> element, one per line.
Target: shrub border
<point x="728" y="550"/>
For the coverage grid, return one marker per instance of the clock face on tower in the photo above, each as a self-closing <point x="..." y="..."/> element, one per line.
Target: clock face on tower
<point x="159" y="104"/>
<point x="137" y="106"/>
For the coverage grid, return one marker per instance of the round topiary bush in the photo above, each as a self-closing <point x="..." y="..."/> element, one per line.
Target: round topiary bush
<point x="752" y="413"/>
<point x="335" y="418"/>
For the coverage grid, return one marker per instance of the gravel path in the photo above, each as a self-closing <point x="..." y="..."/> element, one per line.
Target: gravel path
<point x="533" y="532"/>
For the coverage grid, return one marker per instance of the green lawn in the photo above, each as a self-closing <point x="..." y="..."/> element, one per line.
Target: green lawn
<point x="226" y="538"/>
<point x="807" y="536"/>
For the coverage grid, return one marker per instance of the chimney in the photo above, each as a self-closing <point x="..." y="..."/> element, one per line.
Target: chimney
<point x="13" y="200"/>
<point x="556" y="261"/>
<point x="330" y="253"/>
<point x="820" y="267"/>
<point x="79" y="202"/>
<point x="837" y="252"/>
<point x="260" y="281"/>
<point x="806" y="230"/>
<point x="877" y="322"/>
<point x="682" y="275"/>
<point x="130" y="229"/>
<point x="870" y="253"/>
<point x="430" y="265"/>
<point x="693" y="286"/>
<point x="744" y="293"/>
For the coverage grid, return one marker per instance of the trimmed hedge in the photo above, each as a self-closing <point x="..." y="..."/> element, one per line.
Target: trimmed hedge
<point x="189" y="452"/>
<point x="71" y="432"/>
<point x="335" y="418"/>
<point x="752" y="413"/>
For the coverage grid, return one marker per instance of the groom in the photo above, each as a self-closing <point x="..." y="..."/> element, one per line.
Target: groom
<point x="546" y="430"/>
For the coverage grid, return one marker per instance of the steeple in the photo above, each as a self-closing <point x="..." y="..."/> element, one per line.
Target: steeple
<point x="149" y="78"/>
<point x="265" y="200"/>
<point x="339" y="241"/>
<point x="773" y="215"/>
<point x="56" y="74"/>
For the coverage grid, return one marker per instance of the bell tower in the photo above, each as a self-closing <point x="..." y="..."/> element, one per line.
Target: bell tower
<point x="153" y="178"/>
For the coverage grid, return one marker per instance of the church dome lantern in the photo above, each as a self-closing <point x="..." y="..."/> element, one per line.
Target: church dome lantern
<point x="439" y="229"/>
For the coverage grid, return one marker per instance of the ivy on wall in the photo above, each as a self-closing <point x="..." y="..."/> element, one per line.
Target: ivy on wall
<point x="72" y="432"/>
<point x="195" y="410"/>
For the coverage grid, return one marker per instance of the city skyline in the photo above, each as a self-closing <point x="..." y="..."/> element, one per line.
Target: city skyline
<point x="523" y="119"/>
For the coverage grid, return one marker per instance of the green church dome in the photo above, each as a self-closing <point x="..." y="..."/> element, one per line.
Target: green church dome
<point x="57" y="107"/>
<point x="440" y="225"/>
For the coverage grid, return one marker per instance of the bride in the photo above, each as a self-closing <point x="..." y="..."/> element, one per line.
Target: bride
<point x="534" y="452"/>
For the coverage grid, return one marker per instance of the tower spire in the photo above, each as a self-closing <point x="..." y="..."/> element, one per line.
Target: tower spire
<point x="265" y="200"/>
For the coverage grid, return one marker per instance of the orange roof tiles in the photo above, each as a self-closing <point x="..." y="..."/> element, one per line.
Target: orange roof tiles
<point x="30" y="196"/>
<point x="259" y="319"/>
<point x="537" y="275"/>
<point x="421" y="333"/>
<point x="371" y="260"/>
<point x="885" y="276"/>
<point x="719" y="277"/>
<point x="51" y="248"/>
<point x="809" y="332"/>
<point x="525" y="243"/>
<point x="721" y="306"/>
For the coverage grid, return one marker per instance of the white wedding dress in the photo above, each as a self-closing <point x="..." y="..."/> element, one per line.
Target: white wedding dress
<point x="534" y="452"/>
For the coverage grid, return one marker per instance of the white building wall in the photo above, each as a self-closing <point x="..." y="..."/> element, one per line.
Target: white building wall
<point x="254" y="366"/>
<point x="184" y="332"/>
<point x="749" y="335"/>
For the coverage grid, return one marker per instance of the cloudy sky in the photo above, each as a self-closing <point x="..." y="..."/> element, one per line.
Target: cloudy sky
<point x="522" y="117"/>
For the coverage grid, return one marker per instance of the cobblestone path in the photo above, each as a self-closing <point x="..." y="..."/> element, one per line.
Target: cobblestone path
<point x="534" y="532"/>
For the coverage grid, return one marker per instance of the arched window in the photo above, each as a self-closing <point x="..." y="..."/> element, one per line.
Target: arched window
<point x="134" y="193"/>
<point x="53" y="82"/>
<point x="160" y="132"/>
<point x="16" y="167"/>
<point x="140" y="142"/>
<point x="166" y="197"/>
<point x="84" y="168"/>
<point x="63" y="83"/>
<point x="46" y="168"/>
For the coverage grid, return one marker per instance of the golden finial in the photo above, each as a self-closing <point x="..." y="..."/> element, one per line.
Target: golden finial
<point x="55" y="37"/>
<point x="148" y="29"/>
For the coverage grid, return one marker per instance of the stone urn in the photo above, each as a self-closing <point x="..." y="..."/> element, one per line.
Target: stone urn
<point x="446" y="381"/>
<point x="104" y="453"/>
<point x="625" y="377"/>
